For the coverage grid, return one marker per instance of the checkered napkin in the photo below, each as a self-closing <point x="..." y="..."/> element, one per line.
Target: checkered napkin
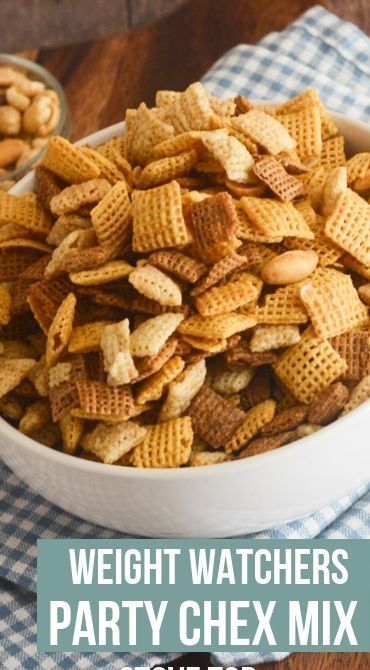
<point x="317" y="50"/>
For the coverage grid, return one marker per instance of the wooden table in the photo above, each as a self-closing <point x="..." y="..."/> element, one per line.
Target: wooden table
<point x="101" y="79"/>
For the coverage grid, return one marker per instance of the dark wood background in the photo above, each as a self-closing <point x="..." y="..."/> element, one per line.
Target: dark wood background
<point x="102" y="78"/>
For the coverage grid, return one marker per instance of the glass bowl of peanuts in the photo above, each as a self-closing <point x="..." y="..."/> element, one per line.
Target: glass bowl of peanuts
<point x="33" y="106"/>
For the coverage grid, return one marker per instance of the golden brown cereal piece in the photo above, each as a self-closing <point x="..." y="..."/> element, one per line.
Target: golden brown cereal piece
<point x="191" y="110"/>
<point x="327" y="252"/>
<point x="207" y="458"/>
<point x="154" y="284"/>
<point x="165" y="445"/>
<point x="17" y="349"/>
<point x="12" y="371"/>
<point x="178" y="144"/>
<point x="332" y="152"/>
<point x="265" y="338"/>
<point x="24" y="212"/>
<point x="276" y="218"/>
<point x="45" y="297"/>
<point x="355" y="265"/>
<point x="72" y="429"/>
<point x="258" y="390"/>
<point x="108" y="169"/>
<point x="140" y="304"/>
<point x="335" y="184"/>
<point x="111" y="217"/>
<point x="145" y="130"/>
<point x="213" y="418"/>
<point x="24" y="242"/>
<point x="359" y="394"/>
<point x="270" y="170"/>
<point x="213" y="223"/>
<point x="69" y="247"/>
<point x="304" y="127"/>
<point x="288" y="419"/>
<point x="228" y="382"/>
<point x="358" y="166"/>
<point x="104" y="274"/>
<point x="157" y="218"/>
<point x="63" y="392"/>
<point x="230" y="153"/>
<point x="47" y="185"/>
<point x="247" y="230"/>
<point x="36" y="416"/>
<point x="66" y="224"/>
<point x="59" y="373"/>
<point x="255" y="418"/>
<point x="148" y="365"/>
<point x="39" y="377"/>
<point x="118" y="362"/>
<point x="214" y="327"/>
<point x="223" y="268"/>
<point x="354" y="347"/>
<point x="348" y="225"/>
<point x="182" y="391"/>
<point x="282" y="307"/>
<point x="261" y="445"/>
<point x="242" y="105"/>
<point x="150" y="336"/>
<point x="238" y="189"/>
<point x="178" y="264"/>
<point x="266" y="131"/>
<point x="289" y="267"/>
<point x="214" y="346"/>
<point x="166" y="169"/>
<point x="292" y="164"/>
<point x="72" y="198"/>
<point x="84" y="259"/>
<point x="154" y="387"/>
<point x="11" y="231"/>
<point x="87" y="337"/>
<point x="310" y="98"/>
<point x="110" y="443"/>
<point x="226" y="297"/>
<point x="328" y="404"/>
<point x="304" y="206"/>
<point x="68" y="161"/>
<point x="11" y="408"/>
<point x="60" y="330"/>
<point x="333" y="304"/>
<point x="5" y="303"/>
<point x="364" y="293"/>
<point x="98" y="401"/>
<point x="310" y="366"/>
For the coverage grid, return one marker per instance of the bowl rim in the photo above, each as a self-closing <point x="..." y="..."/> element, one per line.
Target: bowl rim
<point x="252" y="463"/>
<point x="52" y="82"/>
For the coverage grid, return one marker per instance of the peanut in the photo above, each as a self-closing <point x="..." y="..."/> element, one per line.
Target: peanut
<point x="10" y="120"/>
<point x="289" y="267"/>
<point x="39" y="142"/>
<point x="29" y="87"/>
<point x="26" y="156"/>
<point x="17" y="99"/>
<point x="10" y="151"/>
<point x="335" y="183"/>
<point x="38" y="113"/>
<point x="364" y="293"/>
<point x="7" y="76"/>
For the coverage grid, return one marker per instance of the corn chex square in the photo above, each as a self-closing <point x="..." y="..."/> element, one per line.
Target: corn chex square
<point x="309" y="367"/>
<point x="348" y="225"/>
<point x="158" y="220"/>
<point x="332" y="303"/>
<point x="276" y="218"/>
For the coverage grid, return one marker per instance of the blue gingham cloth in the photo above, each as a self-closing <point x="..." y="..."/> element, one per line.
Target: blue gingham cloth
<point x="317" y="50"/>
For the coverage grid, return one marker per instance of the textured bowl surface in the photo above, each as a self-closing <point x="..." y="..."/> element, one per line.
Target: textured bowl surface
<point x="213" y="501"/>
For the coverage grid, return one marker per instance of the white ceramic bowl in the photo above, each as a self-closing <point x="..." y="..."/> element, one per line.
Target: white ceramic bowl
<point x="212" y="501"/>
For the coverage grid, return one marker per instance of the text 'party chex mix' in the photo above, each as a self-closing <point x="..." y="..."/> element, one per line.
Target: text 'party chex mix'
<point x="191" y="292"/>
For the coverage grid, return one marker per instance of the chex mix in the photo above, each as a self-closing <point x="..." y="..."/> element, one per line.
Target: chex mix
<point x="191" y="292"/>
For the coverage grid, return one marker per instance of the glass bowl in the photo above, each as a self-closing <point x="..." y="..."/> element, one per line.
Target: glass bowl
<point x="36" y="73"/>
